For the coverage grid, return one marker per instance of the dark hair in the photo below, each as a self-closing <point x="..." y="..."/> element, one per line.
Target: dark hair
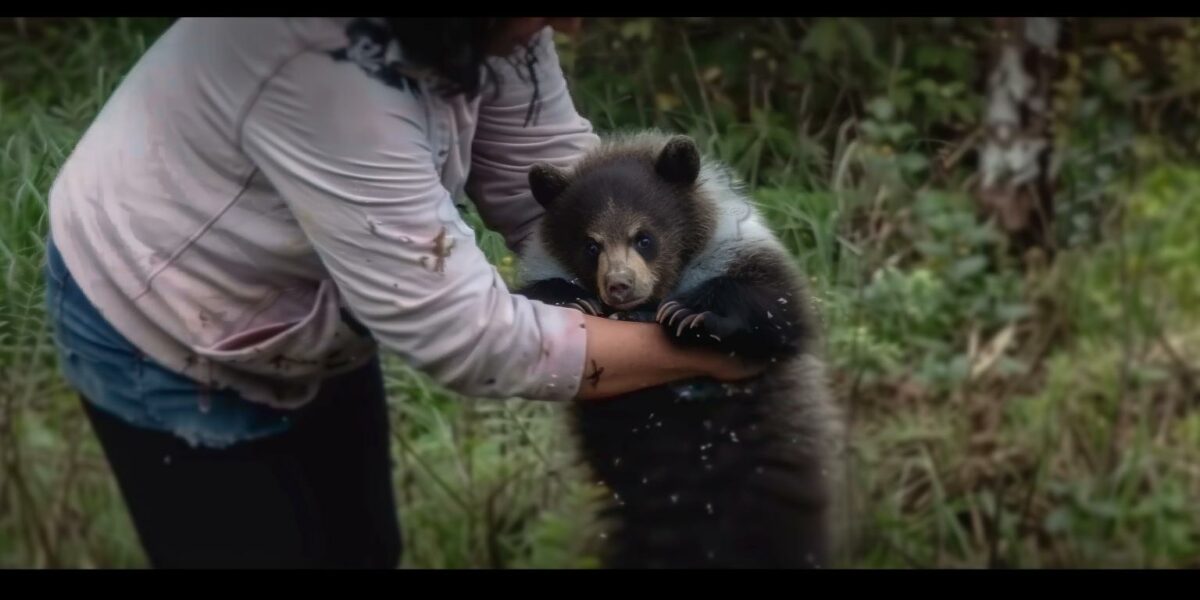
<point x="456" y="50"/>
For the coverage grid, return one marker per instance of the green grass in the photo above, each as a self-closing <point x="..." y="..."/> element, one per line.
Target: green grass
<point x="1043" y="417"/>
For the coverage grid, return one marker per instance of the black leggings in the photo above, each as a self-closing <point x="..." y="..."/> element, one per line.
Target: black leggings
<point x="317" y="496"/>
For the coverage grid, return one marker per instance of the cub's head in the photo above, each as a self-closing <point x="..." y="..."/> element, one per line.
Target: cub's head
<point x="627" y="218"/>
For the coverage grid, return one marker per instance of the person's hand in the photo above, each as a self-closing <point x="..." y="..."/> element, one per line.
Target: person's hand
<point x="723" y="367"/>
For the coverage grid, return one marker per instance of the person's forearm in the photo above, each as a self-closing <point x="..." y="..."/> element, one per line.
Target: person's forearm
<point x="625" y="356"/>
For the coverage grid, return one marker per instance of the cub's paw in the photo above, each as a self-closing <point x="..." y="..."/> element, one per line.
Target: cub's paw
<point x="687" y="324"/>
<point x="559" y="292"/>
<point x="586" y="306"/>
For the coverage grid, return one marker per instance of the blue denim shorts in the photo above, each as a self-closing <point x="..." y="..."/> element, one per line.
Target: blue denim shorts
<point x="112" y="375"/>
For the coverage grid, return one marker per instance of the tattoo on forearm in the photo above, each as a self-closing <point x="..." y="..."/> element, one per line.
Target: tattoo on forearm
<point x="595" y="376"/>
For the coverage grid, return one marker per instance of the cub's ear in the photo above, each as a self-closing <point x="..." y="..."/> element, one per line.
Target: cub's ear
<point x="547" y="183"/>
<point x="679" y="161"/>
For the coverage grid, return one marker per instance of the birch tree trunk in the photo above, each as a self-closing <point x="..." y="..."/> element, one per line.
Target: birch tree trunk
<point x="1015" y="183"/>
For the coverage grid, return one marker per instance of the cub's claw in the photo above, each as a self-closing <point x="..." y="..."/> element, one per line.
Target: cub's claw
<point x="585" y="306"/>
<point x="662" y="310"/>
<point x="690" y="322"/>
<point x="680" y="320"/>
<point x="672" y="312"/>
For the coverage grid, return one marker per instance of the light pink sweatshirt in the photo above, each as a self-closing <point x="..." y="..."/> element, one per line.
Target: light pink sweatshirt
<point x="252" y="177"/>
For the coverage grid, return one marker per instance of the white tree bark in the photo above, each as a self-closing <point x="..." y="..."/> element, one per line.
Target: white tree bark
<point x="1014" y="185"/>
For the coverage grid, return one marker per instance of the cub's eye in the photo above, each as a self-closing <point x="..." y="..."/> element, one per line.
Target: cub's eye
<point x="643" y="241"/>
<point x="593" y="249"/>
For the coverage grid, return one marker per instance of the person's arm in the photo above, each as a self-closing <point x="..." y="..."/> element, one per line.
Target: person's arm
<point x="506" y="147"/>
<point x="612" y="368"/>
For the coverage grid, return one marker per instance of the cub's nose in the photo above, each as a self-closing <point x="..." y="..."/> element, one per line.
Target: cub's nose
<point x="618" y="290"/>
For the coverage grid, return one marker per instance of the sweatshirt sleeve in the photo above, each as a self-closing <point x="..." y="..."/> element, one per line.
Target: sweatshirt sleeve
<point x="349" y="156"/>
<point x="505" y="146"/>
